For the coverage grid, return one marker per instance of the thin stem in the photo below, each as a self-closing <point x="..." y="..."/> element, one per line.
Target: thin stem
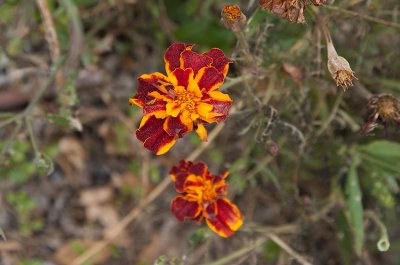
<point x="288" y="249"/>
<point x="334" y="110"/>
<point x="366" y="17"/>
<point x="32" y="137"/>
<point x="238" y="253"/>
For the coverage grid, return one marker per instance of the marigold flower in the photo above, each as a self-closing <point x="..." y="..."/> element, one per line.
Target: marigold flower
<point x="233" y="18"/>
<point x="201" y="198"/>
<point x="184" y="99"/>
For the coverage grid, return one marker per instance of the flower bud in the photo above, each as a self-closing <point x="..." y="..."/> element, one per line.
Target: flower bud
<point x="339" y="68"/>
<point x="233" y="18"/>
<point x="272" y="149"/>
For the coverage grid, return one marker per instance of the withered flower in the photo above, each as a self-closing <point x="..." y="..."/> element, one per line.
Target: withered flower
<point x="381" y="109"/>
<point x="291" y="10"/>
<point x="233" y="18"/>
<point x="318" y="2"/>
<point x="339" y="68"/>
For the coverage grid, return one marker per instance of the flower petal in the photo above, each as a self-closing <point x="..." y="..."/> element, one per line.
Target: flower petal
<point x="155" y="139"/>
<point x="204" y="110"/>
<point x="181" y="77"/>
<point x="195" y="61"/>
<point x="201" y="132"/>
<point x="220" y="61"/>
<point x="173" y="54"/>
<point x="185" y="209"/>
<point x="209" y="78"/>
<point x="179" y="174"/>
<point x="221" y="104"/>
<point x="175" y="127"/>
<point x="223" y="217"/>
<point x="157" y="108"/>
<point x="148" y="84"/>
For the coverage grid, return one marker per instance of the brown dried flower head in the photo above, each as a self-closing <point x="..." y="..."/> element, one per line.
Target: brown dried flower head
<point x="291" y="10"/>
<point x="339" y="68"/>
<point x="318" y="2"/>
<point x="233" y="18"/>
<point x="382" y="109"/>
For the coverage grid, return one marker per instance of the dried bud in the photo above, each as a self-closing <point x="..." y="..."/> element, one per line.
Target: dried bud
<point x="272" y="149"/>
<point x="339" y="68"/>
<point x="233" y="18"/>
<point x="291" y="10"/>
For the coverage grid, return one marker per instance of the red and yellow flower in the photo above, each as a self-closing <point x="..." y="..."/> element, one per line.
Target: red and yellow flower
<point x="201" y="197"/>
<point x="184" y="99"/>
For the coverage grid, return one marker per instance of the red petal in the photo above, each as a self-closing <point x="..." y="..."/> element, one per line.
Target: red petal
<point x="181" y="77"/>
<point x="195" y="61"/>
<point x="223" y="217"/>
<point x="148" y="84"/>
<point x="154" y="137"/>
<point x="220" y="107"/>
<point x="220" y="61"/>
<point x="172" y="56"/>
<point x="198" y="169"/>
<point x="175" y="127"/>
<point x="156" y="108"/>
<point x="184" y="209"/>
<point x="179" y="174"/>
<point x="209" y="78"/>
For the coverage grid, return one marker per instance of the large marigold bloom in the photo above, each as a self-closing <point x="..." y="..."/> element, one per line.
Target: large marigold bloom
<point x="201" y="197"/>
<point x="184" y="99"/>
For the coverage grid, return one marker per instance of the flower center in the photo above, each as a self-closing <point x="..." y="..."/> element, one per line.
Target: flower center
<point x="186" y="99"/>
<point x="209" y="193"/>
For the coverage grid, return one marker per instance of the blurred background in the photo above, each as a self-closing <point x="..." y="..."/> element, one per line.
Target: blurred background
<point x="74" y="180"/>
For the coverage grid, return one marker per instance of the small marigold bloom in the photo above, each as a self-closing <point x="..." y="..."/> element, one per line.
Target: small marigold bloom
<point x="339" y="68"/>
<point x="201" y="198"/>
<point x="184" y="99"/>
<point x="381" y="109"/>
<point x="233" y="18"/>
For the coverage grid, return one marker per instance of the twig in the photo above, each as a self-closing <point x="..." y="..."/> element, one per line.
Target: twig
<point x="51" y="34"/>
<point x="135" y="212"/>
<point x="288" y="249"/>
<point x="238" y="253"/>
<point x="366" y="17"/>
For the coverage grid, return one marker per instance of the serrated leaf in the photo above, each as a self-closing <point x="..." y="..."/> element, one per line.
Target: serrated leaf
<point x="354" y="204"/>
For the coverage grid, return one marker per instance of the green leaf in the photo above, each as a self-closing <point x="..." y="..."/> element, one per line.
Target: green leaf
<point x="381" y="149"/>
<point x="59" y="120"/>
<point x="354" y="204"/>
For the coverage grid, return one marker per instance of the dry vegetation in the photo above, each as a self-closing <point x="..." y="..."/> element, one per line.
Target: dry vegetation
<point x="314" y="169"/>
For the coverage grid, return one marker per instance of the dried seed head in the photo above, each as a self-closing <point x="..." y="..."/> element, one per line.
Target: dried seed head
<point x="292" y="10"/>
<point x="381" y="110"/>
<point x="339" y="68"/>
<point x="233" y="18"/>
<point x="388" y="108"/>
